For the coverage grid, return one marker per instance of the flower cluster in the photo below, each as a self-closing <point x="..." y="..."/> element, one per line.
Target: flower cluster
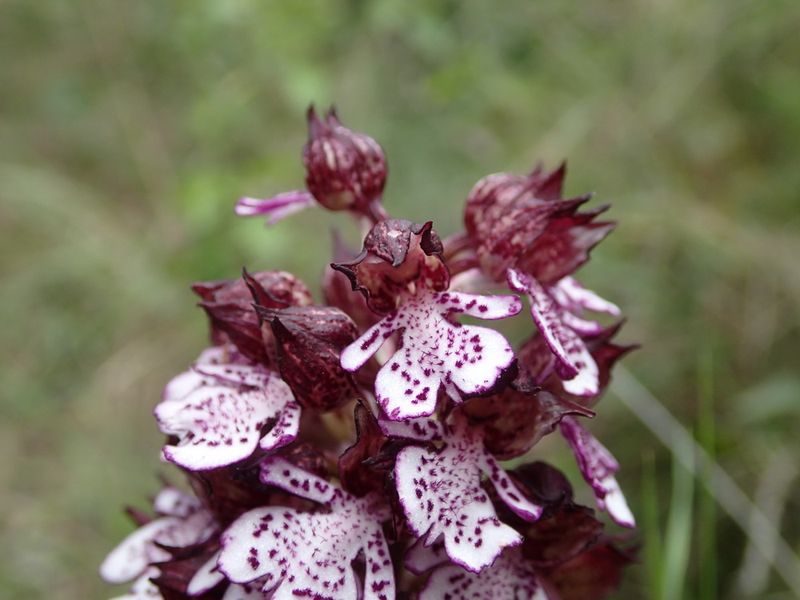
<point x="352" y="449"/>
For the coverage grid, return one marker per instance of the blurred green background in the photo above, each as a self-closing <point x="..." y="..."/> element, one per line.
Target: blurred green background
<point x="130" y="128"/>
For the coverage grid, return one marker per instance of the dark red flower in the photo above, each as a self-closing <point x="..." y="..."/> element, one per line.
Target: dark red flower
<point x="229" y="305"/>
<point x="506" y="214"/>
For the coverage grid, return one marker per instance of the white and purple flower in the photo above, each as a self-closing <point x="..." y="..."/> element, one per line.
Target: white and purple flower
<point x="435" y="351"/>
<point x="310" y="553"/>
<point x="221" y="413"/>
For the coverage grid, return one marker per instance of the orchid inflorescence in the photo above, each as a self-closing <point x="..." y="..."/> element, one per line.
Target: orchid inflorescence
<point x="352" y="449"/>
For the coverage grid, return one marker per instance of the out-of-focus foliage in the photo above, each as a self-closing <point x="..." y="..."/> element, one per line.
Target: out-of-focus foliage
<point x="130" y="128"/>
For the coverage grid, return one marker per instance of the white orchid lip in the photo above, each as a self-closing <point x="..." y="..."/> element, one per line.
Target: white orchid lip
<point x="219" y="413"/>
<point x="436" y="352"/>
<point x="442" y="497"/>
<point x="284" y="548"/>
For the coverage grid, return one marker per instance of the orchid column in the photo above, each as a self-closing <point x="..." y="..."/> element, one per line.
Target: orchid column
<point x="353" y="449"/>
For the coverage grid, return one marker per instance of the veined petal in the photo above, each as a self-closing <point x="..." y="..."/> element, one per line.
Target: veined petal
<point x="359" y="352"/>
<point x="509" y="578"/>
<point x="245" y="591"/>
<point x="435" y="351"/>
<point x="614" y="503"/>
<point x="235" y="375"/>
<point x="508" y="490"/>
<point x="135" y="552"/>
<point x="442" y="496"/>
<point x="277" y="208"/>
<point x="188" y="381"/>
<point x="598" y="467"/>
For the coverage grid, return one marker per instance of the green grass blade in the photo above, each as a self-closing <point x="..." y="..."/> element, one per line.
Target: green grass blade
<point x="651" y="531"/>
<point x="707" y="507"/>
<point x="678" y="535"/>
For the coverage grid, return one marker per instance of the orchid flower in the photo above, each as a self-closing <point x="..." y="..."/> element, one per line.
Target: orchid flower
<point x="351" y="450"/>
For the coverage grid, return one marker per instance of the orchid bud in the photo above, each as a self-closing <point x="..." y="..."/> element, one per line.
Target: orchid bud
<point x="344" y="169"/>
<point x="398" y="257"/>
<point x="309" y="341"/>
<point x="515" y="420"/>
<point x="228" y="304"/>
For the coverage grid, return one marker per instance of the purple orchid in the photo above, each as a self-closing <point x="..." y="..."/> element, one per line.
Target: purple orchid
<point x="435" y="351"/>
<point x="310" y="553"/>
<point x="218" y="413"/>
<point x="441" y="493"/>
<point x="351" y="451"/>
<point x="557" y="313"/>
<point x="181" y="522"/>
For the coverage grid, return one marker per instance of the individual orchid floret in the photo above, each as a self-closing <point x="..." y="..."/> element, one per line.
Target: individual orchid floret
<point x="345" y="170"/>
<point x="308" y="343"/>
<point x="509" y="578"/>
<point x="562" y="331"/>
<point x="225" y="413"/>
<point x="228" y="304"/>
<point x="436" y="352"/>
<point x="181" y="522"/>
<point x="523" y="222"/>
<point x="398" y="258"/>
<point x="598" y="467"/>
<point x="442" y="496"/>
<point x="310" y="554"/>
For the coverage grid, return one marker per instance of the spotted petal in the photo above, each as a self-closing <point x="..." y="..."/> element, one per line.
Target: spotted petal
<point x="442" y="496"/>
<point x="509" y="578"/>
<point x="598" y="467"/>
<point x="435" y="351"/>
<point x="576" y="298"/>
<point x="574" y="362"/>
<point x="221" y="423"/>
<point x="188" y="381"/>
<point x="143" y="546"/>
<point x="143" y="588"/>
<point x="309" y="554"/>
